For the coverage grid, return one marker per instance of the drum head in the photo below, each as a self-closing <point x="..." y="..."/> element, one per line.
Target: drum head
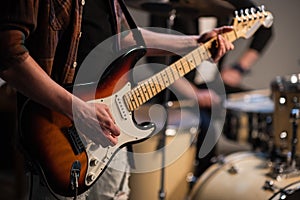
<point x="241" y="176"/>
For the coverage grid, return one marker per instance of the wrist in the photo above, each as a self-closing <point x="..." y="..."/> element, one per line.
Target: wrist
<point x="240" y="69"/>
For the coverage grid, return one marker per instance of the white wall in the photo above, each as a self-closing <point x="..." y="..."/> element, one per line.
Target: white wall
<point x="282" y="56"/>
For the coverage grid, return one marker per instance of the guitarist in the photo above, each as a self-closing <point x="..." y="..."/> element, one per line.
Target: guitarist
<point x="42" y="43"/>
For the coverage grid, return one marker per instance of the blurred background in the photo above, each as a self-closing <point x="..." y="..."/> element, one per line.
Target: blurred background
<point x="282" y="55"/>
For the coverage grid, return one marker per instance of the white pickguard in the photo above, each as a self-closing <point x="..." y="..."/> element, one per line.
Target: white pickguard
<point x="98" y="156"/>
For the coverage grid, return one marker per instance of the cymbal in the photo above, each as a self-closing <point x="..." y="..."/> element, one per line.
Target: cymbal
<point x="193" y="8"/>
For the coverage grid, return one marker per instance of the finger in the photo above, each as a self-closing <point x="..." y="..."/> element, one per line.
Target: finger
<point x="111" y="126"/>
<point x="111" y="138"/>
<point x="223" y="29"/>
<point x="110" y="114"/>
<point x="107" y="121"/>
<point x="221" y="47"/>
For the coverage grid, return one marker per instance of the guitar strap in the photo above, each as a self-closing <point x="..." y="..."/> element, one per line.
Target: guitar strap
<point x="136" y="31"/>
<point x="140" y="42"/>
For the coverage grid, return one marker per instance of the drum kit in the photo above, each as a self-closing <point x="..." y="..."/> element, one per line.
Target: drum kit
<point x="272" y="169"/>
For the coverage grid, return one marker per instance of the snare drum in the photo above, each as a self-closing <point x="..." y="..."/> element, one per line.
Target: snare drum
<point x="241" y="176"/>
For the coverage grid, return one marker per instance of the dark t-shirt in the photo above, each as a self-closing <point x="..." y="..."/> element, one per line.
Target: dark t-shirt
<point x="97" y="25"/>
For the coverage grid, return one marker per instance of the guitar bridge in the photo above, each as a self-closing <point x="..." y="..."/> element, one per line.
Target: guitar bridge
<point x="75" y="140"/>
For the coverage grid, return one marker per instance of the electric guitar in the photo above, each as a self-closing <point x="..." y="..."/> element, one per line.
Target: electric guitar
<point x="71" y="166"/>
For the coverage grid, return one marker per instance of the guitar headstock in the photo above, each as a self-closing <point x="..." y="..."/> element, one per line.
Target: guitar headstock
<point x="246" y="22"/>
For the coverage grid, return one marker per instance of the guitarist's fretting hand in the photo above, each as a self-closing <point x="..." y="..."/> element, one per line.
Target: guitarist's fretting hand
<point x="95" y="121"/>
<point x="223" y="45"/>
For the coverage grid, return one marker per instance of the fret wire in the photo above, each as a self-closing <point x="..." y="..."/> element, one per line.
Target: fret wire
<point x="192" y="61"/>
<point x="200" y="53"/>
<point x="206" y="52"/>
<point x="196" y="57"/>
<point x="135" y="97"/>
<point x="196" y="63"/>
<point x="190" y="64"/>
<point x="160" y="81"/>
<point x="132" y="100"/>
<point x="157" y="85"/>
<point x="165" y="78"/>
<point x="128" y="102"/>
<point x="152" y="87"/>
<point x="184" y="67"/>
<point x="179" y="70"/>
<point x="145" y="91"/>
<point x="170" y="74"/>
<point x="141" y="93"/>
<point x="187" y="64"/>
<point x="175" y="72"/>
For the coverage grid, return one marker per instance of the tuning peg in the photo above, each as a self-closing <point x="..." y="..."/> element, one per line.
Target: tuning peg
<point x="236" y="13"/>
<point x="259" y="12"/>
<point x="252" y="10"/>
<point x="248" y="14"/>
<point x="243" y="16"/>
<point x="264" y="11"/>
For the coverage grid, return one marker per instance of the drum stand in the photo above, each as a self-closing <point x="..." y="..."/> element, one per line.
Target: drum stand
<point x="162" y="141"/>
<point x="290" y="168"/>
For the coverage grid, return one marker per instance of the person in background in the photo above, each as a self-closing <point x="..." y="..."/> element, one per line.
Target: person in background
<point x="42" y="46"/>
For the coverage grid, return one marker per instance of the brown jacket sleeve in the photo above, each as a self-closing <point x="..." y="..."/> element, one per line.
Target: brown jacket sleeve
<point x="18" y="18"/>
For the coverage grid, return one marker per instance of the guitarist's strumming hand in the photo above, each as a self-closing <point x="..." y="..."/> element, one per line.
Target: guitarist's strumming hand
<point x="95" y="122"/>
<point x="222" y="45"/>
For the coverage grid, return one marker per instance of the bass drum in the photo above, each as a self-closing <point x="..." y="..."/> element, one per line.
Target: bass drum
<point x="242" y="175"/>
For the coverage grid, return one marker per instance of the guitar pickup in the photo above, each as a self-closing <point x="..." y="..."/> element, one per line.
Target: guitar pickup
<point x="122" y="108"/>
<point x="75" y="140"/>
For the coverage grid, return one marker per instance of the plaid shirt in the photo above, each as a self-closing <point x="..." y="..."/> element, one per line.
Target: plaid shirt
<point x="49" y="29"/>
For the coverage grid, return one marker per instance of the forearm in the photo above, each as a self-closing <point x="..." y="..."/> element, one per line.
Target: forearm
<point x="168" y="44"/>
<point x="29" y="79"/>
<point x="248" y="59"/>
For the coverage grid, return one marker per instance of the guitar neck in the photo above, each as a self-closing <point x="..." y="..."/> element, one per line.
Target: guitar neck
<point x="160" y="81"/>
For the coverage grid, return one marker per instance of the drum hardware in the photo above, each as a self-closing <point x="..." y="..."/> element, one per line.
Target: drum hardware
<point x="286" y="95"/>
<point x="191" y="179"/>
<point x="179" y="154"/>
<point x="232" y="170"/>
<point x="285" y="92"/>
<point x="260" y="131"/>
<point x="166" y="104"/>
<point x="284" y="192"/>
<point x="295" y="116"/>
<point x="289" y="167"/>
